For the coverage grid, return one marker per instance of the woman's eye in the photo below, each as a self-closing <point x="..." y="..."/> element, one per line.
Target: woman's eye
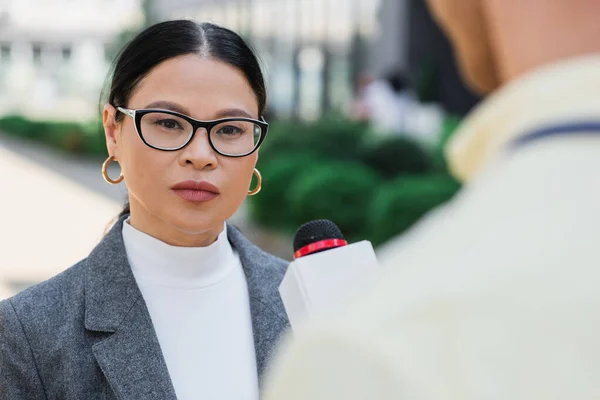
<point x="169" y="124"/>
<point x="229" y="130"/>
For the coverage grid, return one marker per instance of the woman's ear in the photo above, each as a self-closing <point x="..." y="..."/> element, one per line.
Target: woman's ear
<point x="112" y="130"/>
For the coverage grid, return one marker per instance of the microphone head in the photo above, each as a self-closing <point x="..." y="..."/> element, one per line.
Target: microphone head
<point x="316" y="231"/>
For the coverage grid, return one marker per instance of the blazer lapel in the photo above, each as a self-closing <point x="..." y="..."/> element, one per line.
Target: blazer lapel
<point x="264" y="273"/>
<point x="128" y="353"/>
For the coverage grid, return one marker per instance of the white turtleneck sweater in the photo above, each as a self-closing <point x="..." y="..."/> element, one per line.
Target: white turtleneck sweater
<point x="199" y="304"/>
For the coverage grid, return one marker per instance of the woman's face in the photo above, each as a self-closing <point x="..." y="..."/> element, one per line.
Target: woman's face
<point x="203" y="89"/>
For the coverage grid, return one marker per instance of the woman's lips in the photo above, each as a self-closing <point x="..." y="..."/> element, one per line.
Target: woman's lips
<point x="196" y="196"/>
<point x="195" y="191"/>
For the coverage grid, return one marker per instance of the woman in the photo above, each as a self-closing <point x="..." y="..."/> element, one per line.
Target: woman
<point x="173" y="303"/>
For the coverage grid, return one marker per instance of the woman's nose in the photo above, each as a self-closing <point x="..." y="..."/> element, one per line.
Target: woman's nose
<point x="199" y="152"/>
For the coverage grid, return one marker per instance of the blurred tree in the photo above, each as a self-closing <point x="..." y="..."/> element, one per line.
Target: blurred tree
<point x="150" y="18"/>
<point x="114" y="48"/>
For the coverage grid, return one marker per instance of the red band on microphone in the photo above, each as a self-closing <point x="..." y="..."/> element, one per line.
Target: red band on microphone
<point x="318" y="246"/>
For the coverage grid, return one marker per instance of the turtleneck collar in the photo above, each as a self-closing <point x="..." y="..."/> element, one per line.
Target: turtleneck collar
<point x="154" y="261"/>
<point x="564" y="92"/>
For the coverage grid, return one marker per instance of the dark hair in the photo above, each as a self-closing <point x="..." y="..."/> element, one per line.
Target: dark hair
<point x="396" y="80"/>
<point x="171" y="39"/>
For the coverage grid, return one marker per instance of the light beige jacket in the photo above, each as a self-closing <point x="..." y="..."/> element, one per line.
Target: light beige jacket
<point x="497" y="294"/>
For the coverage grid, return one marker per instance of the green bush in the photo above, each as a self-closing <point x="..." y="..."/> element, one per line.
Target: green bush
<point x="402" y="202"/>
<point x="17" y="125"/>
<point x="339" y="191"/>
<point x="62" y="135"/>
<point x="270" y="208"/>
<point x="94" y="140"/>
<point x="67" y="136"/>
<point x="395" y="156"/>
<point x="332" y="137"/>
<point x="337" y="169"/>
<point x="291" y="150"/>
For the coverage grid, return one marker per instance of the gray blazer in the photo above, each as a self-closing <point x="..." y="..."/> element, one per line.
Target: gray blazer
<point x="87" y="334"/>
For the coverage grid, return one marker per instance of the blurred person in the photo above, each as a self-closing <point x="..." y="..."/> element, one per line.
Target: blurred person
<point x="174" y="302"/>
<point x="392" y="108"/>
<point x="360" y="109"/>
<point x="386" y="102"/>
<point x="495" y="295"/>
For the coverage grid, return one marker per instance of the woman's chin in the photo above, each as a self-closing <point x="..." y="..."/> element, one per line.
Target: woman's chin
<point x="196" y="226"/>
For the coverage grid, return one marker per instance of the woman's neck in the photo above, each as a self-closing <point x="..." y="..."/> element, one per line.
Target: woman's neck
<point x="171" y="234"/>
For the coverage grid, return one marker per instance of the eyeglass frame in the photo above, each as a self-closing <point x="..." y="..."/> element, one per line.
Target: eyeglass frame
<point x="137" y="115"/>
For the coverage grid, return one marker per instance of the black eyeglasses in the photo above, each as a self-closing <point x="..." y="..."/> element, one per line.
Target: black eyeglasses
<point x="170" y="131"/>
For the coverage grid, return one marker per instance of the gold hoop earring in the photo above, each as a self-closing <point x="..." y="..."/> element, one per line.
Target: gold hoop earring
<point x="258" y="185"/>
<point x="107" y="178"/>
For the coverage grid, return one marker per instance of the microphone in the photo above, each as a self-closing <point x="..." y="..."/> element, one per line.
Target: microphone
<point x="326" y="273"/>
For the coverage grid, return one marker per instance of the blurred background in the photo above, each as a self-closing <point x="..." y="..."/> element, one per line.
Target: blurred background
<point x="363" y="95"/>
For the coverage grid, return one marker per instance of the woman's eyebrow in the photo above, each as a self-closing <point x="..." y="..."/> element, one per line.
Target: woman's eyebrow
<point x="233" y="113"/>
<point x="167" y="105"/>
<point x="227" y="113"/>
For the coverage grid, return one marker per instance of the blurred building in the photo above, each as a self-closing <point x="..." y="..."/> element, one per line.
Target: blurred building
<point x="54" y="58"/>
<point x="53" y="54"/>
<point x="313" y="50"/>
